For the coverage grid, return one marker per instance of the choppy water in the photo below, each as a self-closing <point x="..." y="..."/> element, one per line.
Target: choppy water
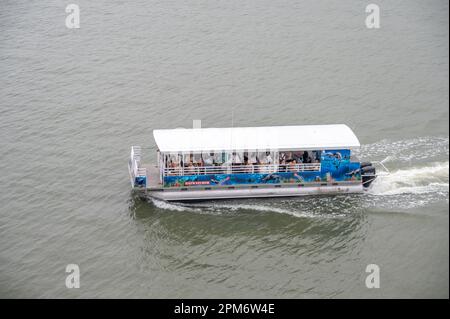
<point x="73" y="101"/>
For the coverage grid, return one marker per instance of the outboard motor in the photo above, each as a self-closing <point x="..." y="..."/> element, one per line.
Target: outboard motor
<point x="368" y="174"/>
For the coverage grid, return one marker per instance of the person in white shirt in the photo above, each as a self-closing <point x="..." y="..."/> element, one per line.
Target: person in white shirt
<point x="266" y="162"/>
<point x="268" y="159"/>
<point x="208" y="159"/>
<point x="236" y="158"/>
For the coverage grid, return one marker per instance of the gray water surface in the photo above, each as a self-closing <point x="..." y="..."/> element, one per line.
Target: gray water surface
<point x="72" y="102"/>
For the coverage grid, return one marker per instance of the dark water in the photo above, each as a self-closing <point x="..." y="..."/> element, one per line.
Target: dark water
<point x="72" y="102"/>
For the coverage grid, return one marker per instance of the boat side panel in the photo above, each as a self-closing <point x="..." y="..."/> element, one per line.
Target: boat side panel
<point x="176" y="195"/>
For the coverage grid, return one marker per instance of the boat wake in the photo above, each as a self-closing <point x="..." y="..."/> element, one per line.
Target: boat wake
<point x="218" y="209"/>
<point x="416" y="180"/>
<point x="270" y="208"/>
<point x="172" y="206"/>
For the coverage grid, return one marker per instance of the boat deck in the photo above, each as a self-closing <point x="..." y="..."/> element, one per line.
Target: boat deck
<point x="152" y="177"/>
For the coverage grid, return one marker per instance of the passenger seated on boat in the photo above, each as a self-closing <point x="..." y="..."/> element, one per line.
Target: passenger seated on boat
<point x="195" y="163"/>
<point x="233" y="162"/>
<point x="266" y="163"/>
<point x="268" y="159"/>
<point x="236" y="159"/>
<point x="318" y="156"/>
<point x="282" y="162"/>
<point x="252" y="158"/>
<point x="174" y="168"/>
<point x="287" y="157"/>
<point x="189" y="169"/>
<point x="191" y="158"/>
<point x="298" y="156"/>
<point x="208" y="160"/>
<point x="247" y="167"/>
<point x="293" y="166"/>
<point x="306" y="157"/>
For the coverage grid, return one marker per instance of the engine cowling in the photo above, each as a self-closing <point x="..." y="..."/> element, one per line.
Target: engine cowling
<point x="368" y="174"/>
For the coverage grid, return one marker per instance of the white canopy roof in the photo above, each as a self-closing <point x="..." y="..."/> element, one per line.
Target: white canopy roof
<point x="306" y="137"/>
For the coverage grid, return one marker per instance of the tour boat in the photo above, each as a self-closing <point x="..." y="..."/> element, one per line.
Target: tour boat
<point x="249" y="162"/>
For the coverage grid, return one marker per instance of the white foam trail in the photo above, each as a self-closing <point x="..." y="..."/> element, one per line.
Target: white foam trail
<point x="217" y="207"/>
<point x="262" y="208"/>
<point x="169" y="206"/>
<point x="417" y="180"/>
<point x="220" y="208"/>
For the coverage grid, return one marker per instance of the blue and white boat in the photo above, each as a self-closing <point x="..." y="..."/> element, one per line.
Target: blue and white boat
<point x="248" y="162"/>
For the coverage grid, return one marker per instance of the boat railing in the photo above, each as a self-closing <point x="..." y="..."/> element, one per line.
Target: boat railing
<point x="142" y="171"/>
<point x="135" y="160"/>
<point x="241" y="169"/>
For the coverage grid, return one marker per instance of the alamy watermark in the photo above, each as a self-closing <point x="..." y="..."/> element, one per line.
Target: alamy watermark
<point x="73" y="19"/>
<point x="373" y="279"/>
<point x="373" y="19"/>
<point x="73" y="279"/>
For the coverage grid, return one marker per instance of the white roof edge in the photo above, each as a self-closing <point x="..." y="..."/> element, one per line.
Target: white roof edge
<point x="300" y="137"/>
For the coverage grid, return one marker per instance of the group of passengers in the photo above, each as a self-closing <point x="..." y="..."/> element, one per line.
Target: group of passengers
<point x="212" y="163"/>
<point x="288" y="161"/>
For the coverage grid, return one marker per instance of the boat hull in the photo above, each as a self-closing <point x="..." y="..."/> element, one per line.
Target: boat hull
<point x="265" y="192"/>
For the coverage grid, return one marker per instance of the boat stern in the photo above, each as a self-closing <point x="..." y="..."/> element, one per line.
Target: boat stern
<point x="138" y="174"/>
